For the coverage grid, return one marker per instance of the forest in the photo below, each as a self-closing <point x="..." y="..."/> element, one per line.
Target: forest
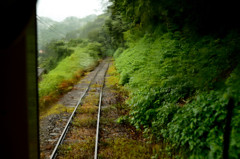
<point x="179" y="61"/>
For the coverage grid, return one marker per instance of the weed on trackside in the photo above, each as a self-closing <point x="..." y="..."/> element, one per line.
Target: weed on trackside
<point x="80" y="141"/>
<point x="56" y="109"/>
<point x="120" y="139"/>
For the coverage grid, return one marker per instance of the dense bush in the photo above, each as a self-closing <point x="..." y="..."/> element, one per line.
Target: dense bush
<point x="180" y="88"/>
<point x="54" y="52"/>
<point x="180" y="62"/>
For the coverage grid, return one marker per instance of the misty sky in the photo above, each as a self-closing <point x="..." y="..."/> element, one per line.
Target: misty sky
<point x="60" y="9"/>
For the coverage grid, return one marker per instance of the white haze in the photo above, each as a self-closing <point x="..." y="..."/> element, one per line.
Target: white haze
<point x="60" y="9"/>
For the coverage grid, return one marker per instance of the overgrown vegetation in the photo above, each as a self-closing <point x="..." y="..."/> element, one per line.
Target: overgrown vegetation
<point x="53" y="53"/>
<point x="180" y="63"/>
<point x="118" y="139"/>
<point x="124" y="148"/>
<point x="56" y="109"/>
<point x="67" y="73"/>
<point x="178" y="60"/>
<point x="82" y="134"/>
<point x="82" y="150"/>
<point x="66" y="60"/>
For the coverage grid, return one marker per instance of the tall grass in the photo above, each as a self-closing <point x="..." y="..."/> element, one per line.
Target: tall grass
<point x="62" y="78"/>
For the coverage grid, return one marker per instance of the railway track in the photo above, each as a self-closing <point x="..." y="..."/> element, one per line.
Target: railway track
<point x="90" y="100"/>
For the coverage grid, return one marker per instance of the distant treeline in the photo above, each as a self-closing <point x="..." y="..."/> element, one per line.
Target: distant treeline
<point x="49" y="29"/>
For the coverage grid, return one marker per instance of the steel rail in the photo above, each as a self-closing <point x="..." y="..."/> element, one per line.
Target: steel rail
<point x="99" y="112"/>
<point x="64" y="132"/>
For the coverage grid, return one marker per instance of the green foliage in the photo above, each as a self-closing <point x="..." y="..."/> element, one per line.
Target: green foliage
<point x="96" y="32"/>
<point x="115" y="26"/>
<point x="177" y="89"/>
<point x="77" y="149"/>
<point x="124" y="148"/>
<point x="118" y="52"/>
<point x="77" y="33"/>
<point x="123" y="120"/>
<point x="94" y="49"/>
<point x="201" y="16"/>
<point x="198" y="125"/>
<point x="53" y="53"/>
<point x="75" y="42"/>
<point x="66" y="71"/>
<point x="180" y="62"/>
<point x="65" y="61"/>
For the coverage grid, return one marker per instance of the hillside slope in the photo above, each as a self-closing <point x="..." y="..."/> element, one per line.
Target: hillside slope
<point x="182" y="71"/>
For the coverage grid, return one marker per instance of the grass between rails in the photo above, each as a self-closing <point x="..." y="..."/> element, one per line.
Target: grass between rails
<point x="79" y="150"/>
<point x="64" y="76"/>
<point x="83" y="130"/>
